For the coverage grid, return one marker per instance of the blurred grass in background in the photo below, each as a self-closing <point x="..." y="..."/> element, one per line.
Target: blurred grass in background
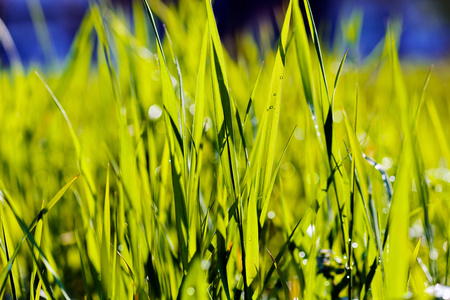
<point x="169" y="170"/>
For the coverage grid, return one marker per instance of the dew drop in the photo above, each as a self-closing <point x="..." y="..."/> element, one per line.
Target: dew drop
<point x="434" y="254"/>
<point x="205" y="264"/>
<point x="190" y="291"/>
<point x="154" y="112"/>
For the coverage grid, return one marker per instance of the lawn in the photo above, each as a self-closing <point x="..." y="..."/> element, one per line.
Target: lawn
<point x="154" y="164"/>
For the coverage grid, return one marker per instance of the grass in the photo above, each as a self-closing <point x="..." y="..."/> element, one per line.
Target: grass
<point x="169" y="169"/>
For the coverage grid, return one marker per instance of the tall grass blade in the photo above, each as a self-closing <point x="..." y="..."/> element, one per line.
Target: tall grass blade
<point x="172" y="113"/>
<point x="34" y="244"/>
<point x="268" y="129"/>
<point x="222" y="106"/>
<point x="283" y="281"/>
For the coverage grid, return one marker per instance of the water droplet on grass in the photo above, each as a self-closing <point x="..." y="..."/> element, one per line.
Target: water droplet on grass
<point x="190" y="291"/>
<point x="154" y="112"/>
<point x="205" y="264"/>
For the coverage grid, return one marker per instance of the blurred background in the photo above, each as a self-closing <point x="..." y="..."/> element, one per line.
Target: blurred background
<point x="425" y="24"/>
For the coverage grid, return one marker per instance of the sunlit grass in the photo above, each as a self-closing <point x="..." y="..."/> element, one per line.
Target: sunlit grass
<point x="155" y="165"/>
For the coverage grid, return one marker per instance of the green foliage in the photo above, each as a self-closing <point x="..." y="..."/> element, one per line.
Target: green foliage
<point x="179" y="169"/>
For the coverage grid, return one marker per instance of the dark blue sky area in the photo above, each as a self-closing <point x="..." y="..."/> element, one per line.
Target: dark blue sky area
<point x="425" y="23"/>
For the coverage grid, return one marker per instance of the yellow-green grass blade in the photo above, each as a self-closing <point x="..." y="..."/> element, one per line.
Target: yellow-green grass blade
<point x="38" y="291"/>
<point x="280" y="274"/>
<point x="304" y="61"/>
<point x="128" y="167"/>
<point x="316" y="42"/>
<point x="74" y="136"/>
<point x="251" y="240"/>
<point x="398" y="82"/>
<point x="416" y="276"/>
<point x="337" y="78"/>
<point x="252" y="94"/>
<point x="264" y="154"/>
<point x="169" y="98"/>
<point x="182" y="107"/>
<point x="34" y="245"/>
<point x="414" y="255"/>
<point x="199" y="114"/>
<point x="79" y="56"/>
<point x="198" y="130"/>
<point x="286" y="244"/>
<point x="441" y="135"/>
<point x="274" y="177"/>
<point x="107" y="215"/>
<point x="358" y="158"/>
<point x="222" y="261"/>
<point x="87" y="175"/>
<point x="176" y="155"/>
<point x="268" y="129"/>
<point x="194" y="284"/>
<point x="7" y="270"/>
<point x="421" y="100"/>
<point x="399" y="254"/>
<point x="222" y="106"/>
<point x="304" y="57"/>
<point x="191" y="206"/>
<point x="38" y="237"/>
<point x="38" y="222"/>
<point x="106" y="275"/>
<point x="52" y="203"/>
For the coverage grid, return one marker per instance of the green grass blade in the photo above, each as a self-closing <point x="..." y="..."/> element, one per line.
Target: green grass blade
<point x="197" y="130"/>
<point x="316" y="42"/>
<point x="52" y="203"/>
<point x="304" y="57"/>
<point x="30" y="238"/>
<point x="222" y="106"/>
<point x="279" y="256"/>
<point x="107" y="215"/>
<point x="414" y="255"/>
<point x="396" y="274"/>
<point x="283" y="281"/>
<point x="11" y="277"/>
<point x="176" y="156"/>
<point x="82" y="165"/>
<point x="337" y="78"/>
<point x="268" y="130"/>
<point x="274" y="177"/>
